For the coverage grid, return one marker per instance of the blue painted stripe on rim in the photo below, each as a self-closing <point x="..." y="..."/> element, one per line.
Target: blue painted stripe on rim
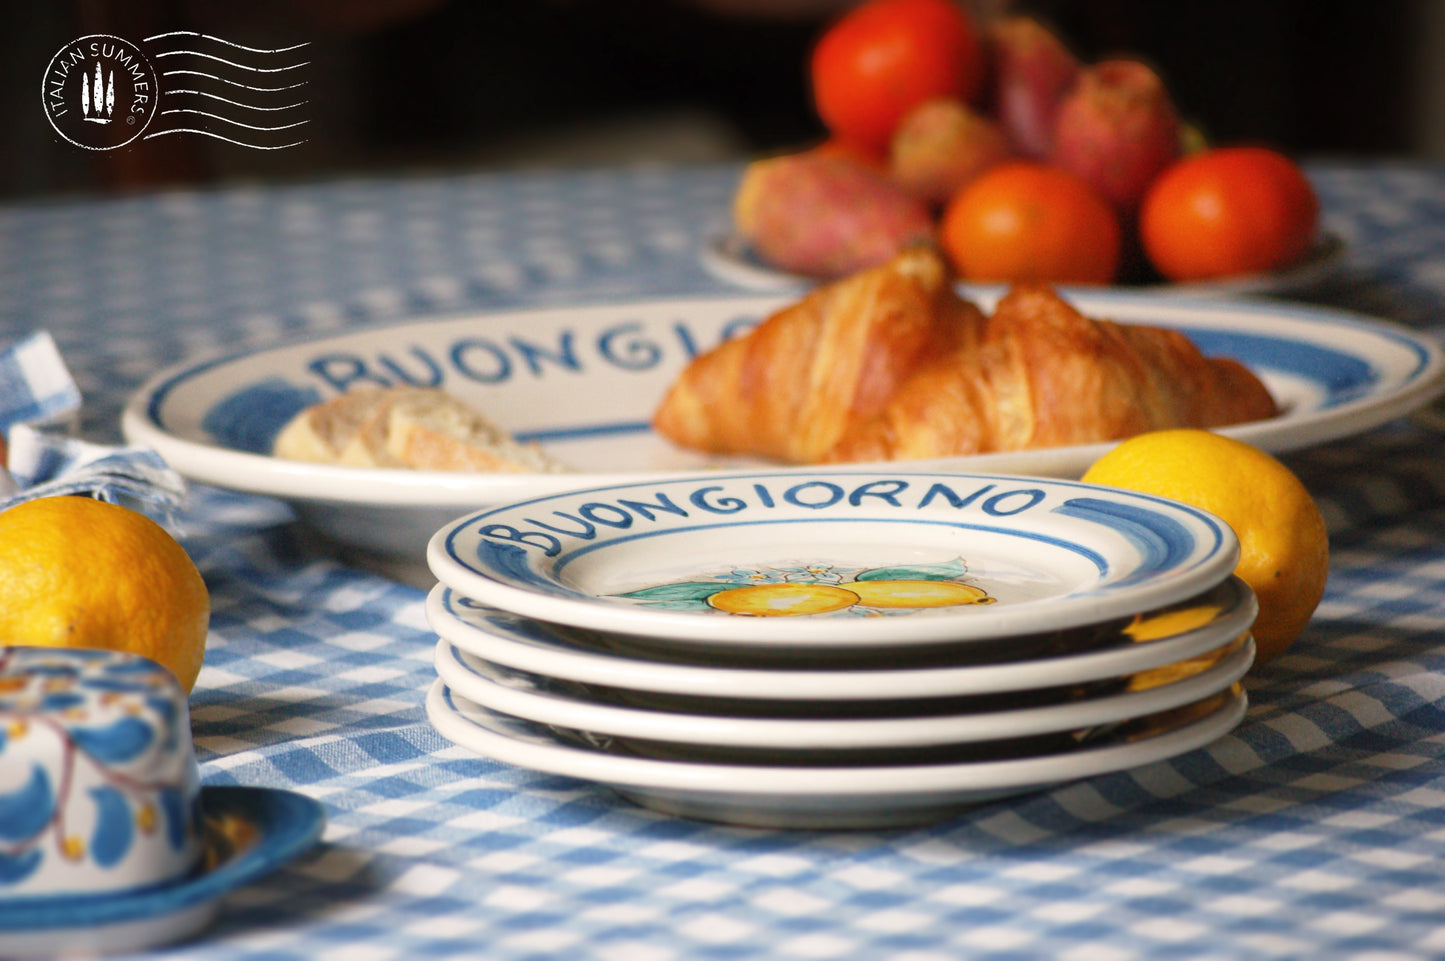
<point x="1161" y="540"/>
<point x="510" y="561"/>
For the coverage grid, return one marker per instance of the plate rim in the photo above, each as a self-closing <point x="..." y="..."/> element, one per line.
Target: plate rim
<point x="833" y="733"/>
<point x="822" y="782"/>
<point x="728" y="258"/>
<point x="868" y="683"/>
<point x="391" y="488"/>
<point x="1117" y="600"/>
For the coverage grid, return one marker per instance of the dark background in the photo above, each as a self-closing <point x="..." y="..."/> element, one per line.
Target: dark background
<point x="396" y="85"/>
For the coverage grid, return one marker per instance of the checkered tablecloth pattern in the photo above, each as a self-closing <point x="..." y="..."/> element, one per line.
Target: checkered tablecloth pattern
<point x="1317" y="829"/>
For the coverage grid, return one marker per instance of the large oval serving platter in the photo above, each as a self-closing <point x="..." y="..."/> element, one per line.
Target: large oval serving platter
<point x="583" y="382"/>
<point x="895" y="557"/>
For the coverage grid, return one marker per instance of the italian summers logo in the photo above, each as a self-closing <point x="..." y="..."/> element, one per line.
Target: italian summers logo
<point x="102" y="92"/>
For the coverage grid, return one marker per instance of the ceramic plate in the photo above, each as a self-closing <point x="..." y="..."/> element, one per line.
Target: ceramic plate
<point x="827" y="797"/>
<point x="835" y="558"/>
<point x="730" y="259"/>
<point x="598" y="711"/>
<point x="249" y="833"/>
<point x="1167" y="636"/>
<point x="583" y="382"/>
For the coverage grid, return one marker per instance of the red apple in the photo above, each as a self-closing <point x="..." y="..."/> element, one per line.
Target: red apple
<point x="826" y="214"/>
<point x="943" y="144"/>
<point x="1033" y="71"/>
<point x="1117" y="129"/>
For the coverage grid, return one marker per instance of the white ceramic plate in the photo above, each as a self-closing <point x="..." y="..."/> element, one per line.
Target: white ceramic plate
<point x="556" y="651"/>
<point x="534" y="698"/>
<point x="730" y="259"/>
<point x="835" y="558"/>
<point x="249" y="833"/>
<point x="584" y="382"/>
<point x="820" y="797"/>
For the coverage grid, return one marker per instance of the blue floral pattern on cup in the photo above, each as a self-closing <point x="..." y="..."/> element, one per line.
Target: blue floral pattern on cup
<point x="98" y="778"/>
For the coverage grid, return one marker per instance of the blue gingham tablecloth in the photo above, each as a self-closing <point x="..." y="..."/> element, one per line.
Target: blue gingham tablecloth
<point x="1317" y="829"/>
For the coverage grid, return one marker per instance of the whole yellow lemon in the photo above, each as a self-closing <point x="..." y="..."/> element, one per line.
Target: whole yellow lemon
<point x="1284" y="547"/>
<point x="77" y="572"/>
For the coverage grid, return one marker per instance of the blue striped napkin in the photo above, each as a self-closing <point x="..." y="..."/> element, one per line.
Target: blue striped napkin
<point x="38" y="400"/>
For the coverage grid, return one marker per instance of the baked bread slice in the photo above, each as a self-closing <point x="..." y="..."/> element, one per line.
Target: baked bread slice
<point x="410" y="428"/>
<point x="322" y="431"/>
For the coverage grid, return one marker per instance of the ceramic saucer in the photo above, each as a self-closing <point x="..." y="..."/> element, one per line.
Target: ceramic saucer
<point x="249" y="832"/>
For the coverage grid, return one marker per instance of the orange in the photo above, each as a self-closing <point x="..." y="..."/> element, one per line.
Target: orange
<point x="1226" y="212"/>
<point x="1284" y="547"/>
<point x="76" y="572"/>
<point x="1025" y="221"/>
<point x="885" y="57"/>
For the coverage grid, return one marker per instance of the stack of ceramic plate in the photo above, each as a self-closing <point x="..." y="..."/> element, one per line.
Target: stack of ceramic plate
<point x="837" y="648"/>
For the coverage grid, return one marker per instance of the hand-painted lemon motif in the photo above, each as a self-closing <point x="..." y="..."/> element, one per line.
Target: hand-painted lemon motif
<point x="1180" y="670"/>
<point x="917" y="593"/>
<point x="775" y="600"/>
<point x="812" y="587"/>
<point x="1151" y="627"/>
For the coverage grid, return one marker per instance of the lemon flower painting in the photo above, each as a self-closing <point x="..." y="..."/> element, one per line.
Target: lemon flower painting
<point x="803" y="589"/>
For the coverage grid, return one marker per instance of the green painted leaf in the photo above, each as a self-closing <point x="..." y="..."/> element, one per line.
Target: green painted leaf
<point x="686" y="591"/>
<point x="682" y="605"/>
<point x="946" y="571"/>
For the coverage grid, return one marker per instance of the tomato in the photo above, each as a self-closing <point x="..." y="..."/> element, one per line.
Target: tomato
<point x="837" y="147"/>
<point x="885" y="57"/>
<point x="1226" y="212"/>
<point x="1028" y="221"/>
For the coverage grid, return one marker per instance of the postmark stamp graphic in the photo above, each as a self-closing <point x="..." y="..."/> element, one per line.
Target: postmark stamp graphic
<point x="99" y="92"/>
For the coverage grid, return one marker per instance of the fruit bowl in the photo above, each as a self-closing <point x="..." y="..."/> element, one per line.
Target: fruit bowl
<point x="730" y="259"/>
<point x="1022" y="161"/>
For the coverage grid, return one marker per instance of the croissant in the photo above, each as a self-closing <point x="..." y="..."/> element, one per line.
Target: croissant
<point x="1044" y="375"/>
<point x="793" y="387"/>
<point x="892" y="364"/>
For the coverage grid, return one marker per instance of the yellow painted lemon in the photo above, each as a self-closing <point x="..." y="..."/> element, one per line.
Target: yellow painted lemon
<point x="1284" y="547"/>
<point x="76" y="572"/>
<point x="776" y="600"/>
<point x="917" y="593"/>
<point x="1151" y="627"/>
